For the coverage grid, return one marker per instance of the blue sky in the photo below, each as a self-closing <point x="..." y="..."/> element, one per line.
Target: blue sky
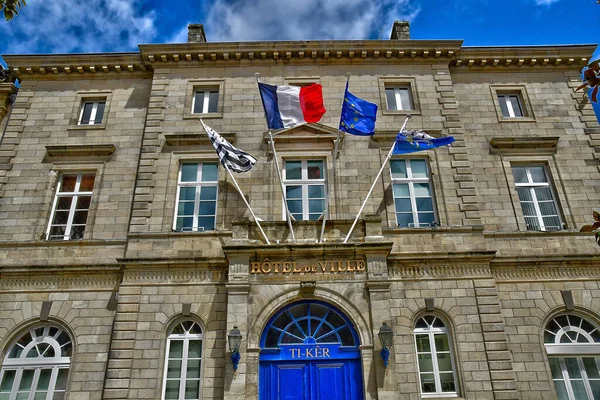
<point x="70" y="26"/>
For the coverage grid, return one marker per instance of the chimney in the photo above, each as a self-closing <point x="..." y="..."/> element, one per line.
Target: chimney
<point x="400" y="30"/>
<point x="196" y="33"/>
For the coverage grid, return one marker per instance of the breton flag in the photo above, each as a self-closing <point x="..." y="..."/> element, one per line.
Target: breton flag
<point x="590" y="75"/>
<point x="232" y="158"/>
<point x="412" y="141"/>
<point x="358" y="115"/>
<point x="287" y="106"/>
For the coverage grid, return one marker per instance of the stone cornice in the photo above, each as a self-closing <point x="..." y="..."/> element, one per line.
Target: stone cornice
<point x="297" y="251"/>
<point x="572" y="56"/>
<point x="76" y="65"/>
<point x="97" y="150"/>
<point x="82" y="278"/>
<point x="524" y="145"/>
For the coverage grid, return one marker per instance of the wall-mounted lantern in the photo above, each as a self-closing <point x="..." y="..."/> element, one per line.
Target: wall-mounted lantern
<point x="386" y="337"/>
<point x="235" y="339"/>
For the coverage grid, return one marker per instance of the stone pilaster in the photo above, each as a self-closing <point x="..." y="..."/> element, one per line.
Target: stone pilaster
<point x="10" y="127"/>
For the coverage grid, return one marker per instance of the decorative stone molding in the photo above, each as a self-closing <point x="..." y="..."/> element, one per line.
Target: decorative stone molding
<point x="439" y="271"/>
<point x="173" y="276"/>
<point x="194" y="139"/>
<point x="524" y="145"/>
<point x="100" y="277"/>
<point x="310" y="137"/>
<point x="81" y="150"/>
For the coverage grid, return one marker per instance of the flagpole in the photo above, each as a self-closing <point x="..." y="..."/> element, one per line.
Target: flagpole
<point x="287" y="211"/>
<point x="387" y="158"/>
<point x="247" y="205"/>
<point x="335" y="151"/>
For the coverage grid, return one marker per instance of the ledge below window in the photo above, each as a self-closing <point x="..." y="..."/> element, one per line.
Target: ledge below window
<point x="103" y="151"/>
<point x="194" y="139"/>
<point x="520" y="145"/>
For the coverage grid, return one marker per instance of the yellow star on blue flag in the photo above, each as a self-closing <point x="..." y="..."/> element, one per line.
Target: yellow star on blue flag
<point x="358" y="115"/>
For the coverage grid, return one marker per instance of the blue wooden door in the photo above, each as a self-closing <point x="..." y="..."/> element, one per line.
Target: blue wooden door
<point x="309" y="351"/>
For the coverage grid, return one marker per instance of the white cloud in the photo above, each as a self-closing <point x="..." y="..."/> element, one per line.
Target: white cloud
<point x="246" y="20"/>
<point x="545" y="2"/>
<point x="64" y="26"/>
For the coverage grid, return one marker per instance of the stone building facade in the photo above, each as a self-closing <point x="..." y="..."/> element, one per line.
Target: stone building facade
<point x="100" y="265"/>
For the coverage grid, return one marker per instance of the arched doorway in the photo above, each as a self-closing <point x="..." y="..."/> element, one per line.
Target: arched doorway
<point x="309" y="351"/>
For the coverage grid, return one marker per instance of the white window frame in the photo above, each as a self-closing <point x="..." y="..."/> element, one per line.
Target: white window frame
<point x="575" y="349"/>
<point x="186" y="337"/>
<point x="95" y="104"/>
<point x="206" y="104"/>
<point x="431" y="332"/>
<point x="304" y="182"/>
<point x="397" y="89"/>
<point x="531" y="186"/>
<point x="37" y="364"/>
<point x="198" y="184"/>
<point x="410" y="180"/>
<point x="75" y="196"/>
<point x="504" y="98"/>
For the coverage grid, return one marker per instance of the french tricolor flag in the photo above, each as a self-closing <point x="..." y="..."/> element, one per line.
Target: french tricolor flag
<point x="287" y="106"/>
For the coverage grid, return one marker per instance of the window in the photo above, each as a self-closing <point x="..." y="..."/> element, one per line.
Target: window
<point x="71" y="207"/>
<point x="205" y="101"/>
<point x="398" y="98"/>
<point x="197" y="197"/>
<point x="511" y="105"/>
<point x="183" y="362"/>
<point x="92" y="112"/>
<point x="573" y="345"/>
<point x="434" y="356"/>
<point x="537" y="198"/>
<point x="36" y="366"/>
<point x="413" y="199"/>
<point x="304" y="182"/>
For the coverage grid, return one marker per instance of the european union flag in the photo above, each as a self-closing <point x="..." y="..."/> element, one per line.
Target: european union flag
<point x="358" y="115"/>
<point x="412" y="141"/>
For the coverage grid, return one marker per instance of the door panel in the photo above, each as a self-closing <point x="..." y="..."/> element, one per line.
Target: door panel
<point x="292" y="382"/>
<point x="330" y="382"/>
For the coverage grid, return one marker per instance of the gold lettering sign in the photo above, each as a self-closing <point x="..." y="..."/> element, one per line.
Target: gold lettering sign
<point x="267" y="267"/>
<point x="316" y="352"/>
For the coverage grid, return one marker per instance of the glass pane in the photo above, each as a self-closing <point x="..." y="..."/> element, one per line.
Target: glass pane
<point x="60" y="218"/>
<point x="172" y="390"/>
<point x="174" y="369"/>
<point x="213" y="101"/>
<point x="401" y="190"/>
<point x="424" y="204"/>
<point x="524" y="194"/>
<point x="99" y="112"/>
<point x="403" y="205"/>
<point x="4" y="396"/>
<point x="595" y="386"/>
<point x="44" y="379"/>
<point x="573" y="368"/>
<point x="390" y="95"/>
<point x="591" y="368"/>
<point x="193" y="369"/>
<point x="426" y="219"/>
<point x="441" y="342"/>
<point x="398" y="169"/>
<point x="419" y="168"/>
<point x="208" y="193"/>
<point x="87" y="183"/>
<point x="210" y="172"/>
<point x="543" y="193"/>
<point x="404" y="220"/>
<point x="22" y="396"/>
<point x="520" y="174"/>
<point x="447" y="381"/>
<point x="57" y="232"/>
<point x="502" y="101"/>
<point x="346" y="336"/>
<point x="555" y="368"/>
<point x="552" y="224"/>
<point x="178" y="330"/>
<point x="176" y="349"/>
<point x="198" y="102"/>
<point x="195" y="349"/>
<point x="532" y="224"/>
<point x="87" y="112"/>
<point x="206" y="223"/>
<point x="64" y="203"/>
<point x="428" y="383"/>
<point x="207" y="208"/>
<point x="423" y="343"/>
<point x="561" y="390"/>
<point x="516" y="106"/>
<point x="26" y="380"/>
<point x="83" y="202"/>
<point x="422" y="190"/>
<point x="444" y="362"/>
<point x="68" y="183"/>
<point x="405" y="99"/>
<point x="316" y="206"/>
<point x="295" y="206"/>
<point x="7" y="381"/>
<point x="184" y="224"/>
<point x="33" y="353"/>
<point x="189" y="172"/>
<point x="579" y="390"/>
<point x="40" y="395"/>
<point x="437" y="323"/>
<point x="77" y="232"/>
<point x="61" y="380"/>
<point x="293" y="170"/>
<point x="425" y="363"/>
<point x="187" y="193"/>
<point x="547" y="208"/>
<point x="195" y="329"/>
<point x="537" y="174"/>
<point x="185" y="208"/>
<point x="192" y="389"/>
<point x="293" y="192"/>
<point x="315" y="169"/>
<point x="316" y="192"/>
<point x="80" y="217"/>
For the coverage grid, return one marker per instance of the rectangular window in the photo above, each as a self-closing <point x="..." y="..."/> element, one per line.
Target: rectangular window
<point x="413" y="199"/>
<point x="197" y="197"/>
<point x="305" y="192"/>
<point x="511" y="105"/>
<point x="205" y="101"/>
<point x="537" y="198"/>
<point x="71" y="207"/>
<point x="92" y="112"/>
<point x="398" y="98"/>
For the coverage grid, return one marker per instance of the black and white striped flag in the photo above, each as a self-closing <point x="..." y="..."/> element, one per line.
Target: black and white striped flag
<point x="234" y="159"/>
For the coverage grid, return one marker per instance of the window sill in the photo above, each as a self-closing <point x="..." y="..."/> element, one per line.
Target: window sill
<point x="203" y="116"/>
<point x="441" y="396"/>
<point x="516" y="119"/>
<point x="401" y="112"/>
<point x="86" y="127"/>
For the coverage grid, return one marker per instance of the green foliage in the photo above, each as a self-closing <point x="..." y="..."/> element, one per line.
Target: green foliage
<point x="11" y="7"/>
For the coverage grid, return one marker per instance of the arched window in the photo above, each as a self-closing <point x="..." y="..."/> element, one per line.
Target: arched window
<point x="183" y="361"/>
<point x="573" y="347"/>
<point x="36" y="366"/>
<point x="434" y="356"/>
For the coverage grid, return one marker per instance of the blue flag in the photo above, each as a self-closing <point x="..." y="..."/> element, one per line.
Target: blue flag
<point x="412" y="141"/>
<point x="358" y="115"/>
<point x="590" y="75"/>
